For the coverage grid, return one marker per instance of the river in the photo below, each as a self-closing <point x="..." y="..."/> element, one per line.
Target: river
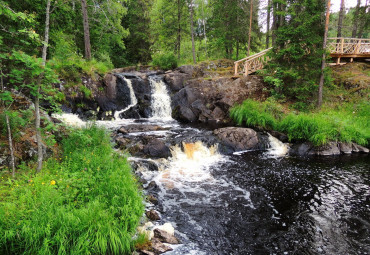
<point x="253" y="202"/>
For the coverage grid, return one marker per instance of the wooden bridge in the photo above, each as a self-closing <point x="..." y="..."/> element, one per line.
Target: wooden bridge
<point x="338" y="47"/>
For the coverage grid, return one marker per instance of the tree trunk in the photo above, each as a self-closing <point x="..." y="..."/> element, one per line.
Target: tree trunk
<point x="204" y="30"/>
<point x="12" y="159"/>
<point x="274" y="22"/>
<point x="37" y="99"/>
<point x="85" y="17"/>
<point x="250" y="26"/>
<point x="268" y="24"/>
<point x="178" y="29"/>
<point x="192" y="32"/>
<point x="321" y="83"/>
<point x="340" y="19"/>
<point x="355" y="19"/>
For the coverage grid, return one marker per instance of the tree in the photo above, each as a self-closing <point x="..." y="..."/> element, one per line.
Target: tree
<point x="294" y="70"/>
<point x="355" y="19"/>
<point x="86" y="30"/>
<point x="321" y="83"/>
<point x="268" y="24"/>
<point x="340" y="20"/>
<point x="192" y="30"/>
<point x="250" y="25"/>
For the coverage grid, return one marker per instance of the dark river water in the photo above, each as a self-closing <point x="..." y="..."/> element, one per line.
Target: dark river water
<point x="257" y="204"/>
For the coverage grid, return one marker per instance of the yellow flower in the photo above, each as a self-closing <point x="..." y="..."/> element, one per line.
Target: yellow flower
<point x="52" y="182"/>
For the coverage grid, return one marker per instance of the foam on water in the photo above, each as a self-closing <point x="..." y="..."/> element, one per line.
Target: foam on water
<point x="70" y="119"/>
<point x="277" y="148"/>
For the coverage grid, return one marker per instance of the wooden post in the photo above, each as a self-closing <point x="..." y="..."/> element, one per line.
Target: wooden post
<point x="236" y="68"/>
<point x="246" y="68"/>
<point x="341" y="45"/>
<point x="338" y="60"/>
<point x="358" y="47"/>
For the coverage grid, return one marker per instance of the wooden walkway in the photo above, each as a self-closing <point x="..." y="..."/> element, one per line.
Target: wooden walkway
<point x="338" y="47"/>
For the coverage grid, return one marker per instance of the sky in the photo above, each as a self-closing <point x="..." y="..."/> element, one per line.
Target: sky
<point x="335" y="4"/>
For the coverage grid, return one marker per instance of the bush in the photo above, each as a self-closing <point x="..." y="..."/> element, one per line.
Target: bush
<point x="165" y="60"/>
<point x="85" y="202"/>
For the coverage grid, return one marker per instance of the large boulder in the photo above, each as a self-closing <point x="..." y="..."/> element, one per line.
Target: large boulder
<point x="156" y="148"/>
<point x="239" y="139"/>
<point x="176" y="80"/>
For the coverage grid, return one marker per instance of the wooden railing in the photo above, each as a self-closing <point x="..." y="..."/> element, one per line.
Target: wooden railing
<point x="338" y="47"/>
<point x="252" y="63"/>
<point x="349" y="46"/>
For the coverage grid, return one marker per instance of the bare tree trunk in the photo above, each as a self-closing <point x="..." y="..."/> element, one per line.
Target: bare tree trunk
<point x="12" y="159"/>
<point x="192" y="32"/>
<point x="37" y="99"/>
<point x="250" y="26"/>
<point x="340" y="19"/>
<point x="355" y="19"/>
<point x="274" y="22"/>
<point x="268" y="24"/>
<point x="321" y="83"/>
<point x="204" y="30"/>
<point x="86" y="30"/>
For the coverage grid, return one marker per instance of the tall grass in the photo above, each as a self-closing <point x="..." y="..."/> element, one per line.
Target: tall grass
<point x="85" y="202"/>
<point x="349" y="123"/>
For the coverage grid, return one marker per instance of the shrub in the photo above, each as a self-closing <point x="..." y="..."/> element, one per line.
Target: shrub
<point x="165" y="60"/>
<point x="85" y="202"/>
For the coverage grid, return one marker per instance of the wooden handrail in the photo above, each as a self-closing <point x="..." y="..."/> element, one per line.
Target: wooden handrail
<point x="338" y="47"/>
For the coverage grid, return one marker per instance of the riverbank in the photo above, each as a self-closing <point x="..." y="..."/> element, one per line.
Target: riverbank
<point x="84" y="200"/>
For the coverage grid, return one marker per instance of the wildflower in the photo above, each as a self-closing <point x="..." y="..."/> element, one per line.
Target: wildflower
<point x="52" y="182"/>
<point x="43" y="183"/>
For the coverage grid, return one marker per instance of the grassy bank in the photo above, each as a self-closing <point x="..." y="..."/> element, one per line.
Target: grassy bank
<point x="348" y="122"/>
<point x="86" y="201"/>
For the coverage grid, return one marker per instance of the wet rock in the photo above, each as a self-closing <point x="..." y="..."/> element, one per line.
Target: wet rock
<point x="152" y="186"/>
<point x="302" y="149"/>
<point x="140" y="128"/>
<point x="329" y="149"/>
<point x="345" y="148"/>
<point x="282" y="137"/>
<point x="156" y="148"/>
<point x="238" y="138"/>
<point x="165" y="237"/>
<point x="145" y="252"/>
<point x="158" y="247"/>
<point x="359" y="148"/>
<point x="152" y="215"/>
<point x="152" y="199"/>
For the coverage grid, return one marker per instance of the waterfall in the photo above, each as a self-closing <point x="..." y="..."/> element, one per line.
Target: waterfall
<point x="277" y="148"/>
<point x="70" y="119"/>
<point x="133" y="100"/>
<point x="161" y="101"/>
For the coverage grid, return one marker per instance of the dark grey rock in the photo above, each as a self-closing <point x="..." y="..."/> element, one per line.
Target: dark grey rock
<point x="331" y="148"/>
<point x="238" y="138"/>
<point x="156" y="148"/>
<point x="152" y="215"/>
<point x="345" y="148"/>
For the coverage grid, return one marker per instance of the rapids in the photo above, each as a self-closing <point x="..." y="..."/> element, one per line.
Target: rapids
<point x="253" y="202"/>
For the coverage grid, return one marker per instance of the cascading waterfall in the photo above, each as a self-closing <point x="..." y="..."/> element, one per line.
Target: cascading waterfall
<point x="133" y="99"/>
<point x="277" y="148"/>
<point x="161" y="101"/>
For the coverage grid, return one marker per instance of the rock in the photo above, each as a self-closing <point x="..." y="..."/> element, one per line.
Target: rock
<point x="159" y="247"/>
<point x="139" y="128"/>
<point x="145" y="252"/>
<point x="301" y="149"/>
<point x="152" y="215"/>
<point x="345" y="148"/>
<point x="331" y="148"/>
<point x="165" y="237"/>
<point x="152" y="199"/>
<point x="238" y="138"/>
<point x="157" y="148"/>
<point x="176" y="80"/>
<point x="152" y="186"/>
<point x="282" y="137"/>
<point x="359" y="148"/>
<point x="218" y="114"/>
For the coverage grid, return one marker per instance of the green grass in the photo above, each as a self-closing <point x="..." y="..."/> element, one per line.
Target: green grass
<point x="347" y="123"/>
<point x="85" y="202"/>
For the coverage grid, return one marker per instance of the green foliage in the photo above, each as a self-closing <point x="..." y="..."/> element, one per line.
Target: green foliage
<point x="18" y="121"/>
<point x="350" y="123"/>
<point x="165" y="60"/>
<point x="295" y="67"/>
<point x="86" y="202"/>
<point x="87" y="92"/>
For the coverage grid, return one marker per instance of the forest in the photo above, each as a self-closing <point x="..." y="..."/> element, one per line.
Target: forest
<point x="60" y="200"/>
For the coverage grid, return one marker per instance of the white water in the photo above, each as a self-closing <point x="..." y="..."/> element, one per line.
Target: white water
<point x="133" y="99"/>
<point x="277" y="147"/>
<point x="70" y="119"/>
<point x="161" y="101"/>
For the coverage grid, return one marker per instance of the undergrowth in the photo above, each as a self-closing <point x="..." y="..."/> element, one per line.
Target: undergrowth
<point x="84" y="202"/>
<point x="348" y="123"/>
